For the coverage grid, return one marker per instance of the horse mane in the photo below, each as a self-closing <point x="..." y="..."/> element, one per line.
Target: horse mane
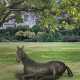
<point x="27" y="59"/>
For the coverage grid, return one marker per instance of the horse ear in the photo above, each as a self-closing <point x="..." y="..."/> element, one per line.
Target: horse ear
<point x="18" y="47"/>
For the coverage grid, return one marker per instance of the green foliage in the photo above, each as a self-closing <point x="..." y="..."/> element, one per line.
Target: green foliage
<point x="18" y="18"/>
<point x="36" y="29"/>
<point x="22" y="35"/>
<point x="41" y="36"/>
<point x="69" y="10"/>
<point x="58" y="18"/>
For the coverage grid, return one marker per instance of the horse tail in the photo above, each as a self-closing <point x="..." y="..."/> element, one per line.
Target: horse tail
<point x="70" y="74"/>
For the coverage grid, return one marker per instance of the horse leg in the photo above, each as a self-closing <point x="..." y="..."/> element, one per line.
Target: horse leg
<point x="35" y="77"/>
<point x="54" y="74"/>
<point x="27" y="76"/>
<point x="19" y="76"/>
<point x="46" y="77"/>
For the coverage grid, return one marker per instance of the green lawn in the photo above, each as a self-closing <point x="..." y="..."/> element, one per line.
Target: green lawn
<point x="40" y="52"/>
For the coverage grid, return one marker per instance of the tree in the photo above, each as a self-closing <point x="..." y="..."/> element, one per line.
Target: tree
<point x="36" y="29"/>
<point x="64" y="13"/>
<point x="15" y="6"/>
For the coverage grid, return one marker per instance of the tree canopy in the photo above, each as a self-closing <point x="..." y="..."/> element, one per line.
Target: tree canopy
<point x="56" y="13"/>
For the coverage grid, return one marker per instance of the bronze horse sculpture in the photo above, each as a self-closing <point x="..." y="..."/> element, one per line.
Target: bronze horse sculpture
<point x="41" y="71"/>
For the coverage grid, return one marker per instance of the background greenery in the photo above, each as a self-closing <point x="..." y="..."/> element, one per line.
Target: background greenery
<point x="53" y="12"/>
<point x="39" y="34"/>
<point x="59" y="20"/>
<point x="69" y="53"/>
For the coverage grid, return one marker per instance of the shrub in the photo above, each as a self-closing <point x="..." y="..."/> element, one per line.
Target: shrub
<point x="29" y="34"/>
<point x="2" y="39"/>
<point x="22" y="28"/>
<point x="19" y="35"/>
<point x="36" y="29"/>
<point x="71" y="38"/>
<point x="41" y="36"/>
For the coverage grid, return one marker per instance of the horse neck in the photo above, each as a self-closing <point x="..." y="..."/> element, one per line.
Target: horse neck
<point x="26" y="60"/>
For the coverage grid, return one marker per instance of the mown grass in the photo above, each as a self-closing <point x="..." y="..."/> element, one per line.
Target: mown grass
<point x="40" y="52"/>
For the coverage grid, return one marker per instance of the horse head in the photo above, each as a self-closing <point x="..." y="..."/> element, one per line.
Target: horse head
<point x="19" y="54"/>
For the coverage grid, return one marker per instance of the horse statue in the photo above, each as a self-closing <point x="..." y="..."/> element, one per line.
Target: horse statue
<point x="41" y="71"/>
